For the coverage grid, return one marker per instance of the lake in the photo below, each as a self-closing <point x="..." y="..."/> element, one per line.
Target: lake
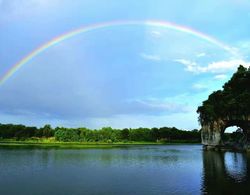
<point x="152" y="169"/>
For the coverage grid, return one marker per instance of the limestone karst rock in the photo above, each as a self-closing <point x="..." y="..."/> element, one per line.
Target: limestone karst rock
<point x="227" y="107"/>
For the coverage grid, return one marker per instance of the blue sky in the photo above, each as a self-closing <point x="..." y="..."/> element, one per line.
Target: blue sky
<point x="126" y="76"/>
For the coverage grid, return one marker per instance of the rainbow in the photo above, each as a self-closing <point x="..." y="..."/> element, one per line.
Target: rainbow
<point x="84" y="29"/>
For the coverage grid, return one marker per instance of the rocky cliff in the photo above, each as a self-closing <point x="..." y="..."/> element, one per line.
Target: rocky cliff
<point x="227" y="107"/>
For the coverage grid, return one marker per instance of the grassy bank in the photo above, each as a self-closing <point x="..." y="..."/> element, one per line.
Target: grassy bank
<point x="52" y="143"/>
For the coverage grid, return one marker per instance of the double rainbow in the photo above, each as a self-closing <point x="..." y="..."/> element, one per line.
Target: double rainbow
<point x="68" y="35"/>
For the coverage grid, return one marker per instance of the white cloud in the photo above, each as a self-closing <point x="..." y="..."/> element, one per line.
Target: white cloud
<point x="214" y="67"/>
<point x="150" y="57"/>
<point x="156" y="34"/>
<point x="220" y="77"/>
<point x="190" y="66"/>
<point x="199" y="86"/>
<point x="224" y="66"/>
<point x="199" y="55"/>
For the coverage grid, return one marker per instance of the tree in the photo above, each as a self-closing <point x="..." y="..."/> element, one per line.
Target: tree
<point x="232" y="101"/>
<point x="47" y="131"/>
<point x="125" y="134"/>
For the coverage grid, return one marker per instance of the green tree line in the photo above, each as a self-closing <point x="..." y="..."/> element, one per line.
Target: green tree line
<point x="22" y="132"/>
<point x="105" y="134"/>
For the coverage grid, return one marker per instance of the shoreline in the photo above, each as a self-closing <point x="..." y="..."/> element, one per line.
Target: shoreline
<point x="82" y="145"/>
<point x="224" y="148"/>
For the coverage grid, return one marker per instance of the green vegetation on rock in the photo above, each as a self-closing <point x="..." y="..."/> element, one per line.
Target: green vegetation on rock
<point x="232" y="102"/>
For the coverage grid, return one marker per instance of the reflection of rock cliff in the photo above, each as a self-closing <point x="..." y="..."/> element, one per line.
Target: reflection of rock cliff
<point x="225" y="173"/>
<point x="225" y="108"/>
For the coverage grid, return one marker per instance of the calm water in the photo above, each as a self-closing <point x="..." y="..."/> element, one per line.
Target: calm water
<point x="174" y="169"/>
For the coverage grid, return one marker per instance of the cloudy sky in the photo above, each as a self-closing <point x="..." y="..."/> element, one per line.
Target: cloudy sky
<point x="119" y="76"/>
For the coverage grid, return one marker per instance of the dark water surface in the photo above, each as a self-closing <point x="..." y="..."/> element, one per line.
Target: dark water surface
<point x="172" y="169"/>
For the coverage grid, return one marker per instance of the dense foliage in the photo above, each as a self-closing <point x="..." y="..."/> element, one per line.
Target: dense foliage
<point x="22" y="132"/>
<point x="232" y="101"/>
<point x="106" y="134"/>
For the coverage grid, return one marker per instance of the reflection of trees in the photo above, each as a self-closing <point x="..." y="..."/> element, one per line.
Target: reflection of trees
<point x="117" y="156"/>
<point x="225" y="173"/>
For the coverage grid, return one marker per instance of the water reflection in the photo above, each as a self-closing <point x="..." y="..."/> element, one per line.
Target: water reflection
<point x="225" y="173"/>
<point x="171" y="169"/>
<point x="236" y="166"/>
